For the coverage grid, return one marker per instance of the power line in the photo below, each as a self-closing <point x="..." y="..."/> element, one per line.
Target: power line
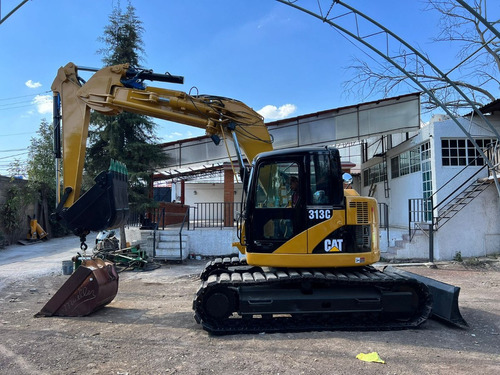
<point x="15" y="134"/>
<point x="8" y="103"/>
<point x="12" y="156"/>
<point x="18" y="106"/>
<point x="6" y="164"/>
<point x="25" y="96"/>
<point x="14" y="103"/>
<point x="14" y="150"/>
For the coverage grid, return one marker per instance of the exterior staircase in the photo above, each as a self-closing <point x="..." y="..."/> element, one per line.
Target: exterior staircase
<point x="421" y="211"/>
<point x="401" y="246"/>
<point x="459" y="202"/>
<point x="170" y="246"/>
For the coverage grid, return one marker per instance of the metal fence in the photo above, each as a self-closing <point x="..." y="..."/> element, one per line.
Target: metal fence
<point x="383" y="219"/>
<point x="383" y="214"/>
<point x="201" y="215"/>
<point x="216" y="214"/>
<point x="420" y="215"/>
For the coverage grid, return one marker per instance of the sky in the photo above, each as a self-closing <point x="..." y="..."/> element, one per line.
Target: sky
<point x="278" y="60"/>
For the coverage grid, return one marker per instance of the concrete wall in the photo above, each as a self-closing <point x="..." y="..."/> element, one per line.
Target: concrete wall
<point x="212" y="241"/>
<point x="206" y="242"/>
<point x="474" y="231"/>
<point x="208" y="192"/>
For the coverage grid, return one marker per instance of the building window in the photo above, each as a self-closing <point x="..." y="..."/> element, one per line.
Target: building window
<point x="425" y="157"/>
<point x="456" y="152"/>
<point x="425" y="151"/>
<point x="374" y="174"/>
<point x="408" y="161"/>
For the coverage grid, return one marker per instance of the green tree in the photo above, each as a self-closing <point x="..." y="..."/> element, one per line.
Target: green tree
<point x="122" y="38"/>
<point x="41" y="165"/>
<point x="129" y="138"/>
<point x="18" y="198"/>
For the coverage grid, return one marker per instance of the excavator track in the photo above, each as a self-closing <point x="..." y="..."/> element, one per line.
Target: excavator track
<point x="236" y="298"/>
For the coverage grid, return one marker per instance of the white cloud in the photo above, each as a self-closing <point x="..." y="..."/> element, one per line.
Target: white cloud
<point x="175" y="135"/>
<point x="33" y="85"/>
<point x="271" y="112"/>
<point x="43" y="104"/>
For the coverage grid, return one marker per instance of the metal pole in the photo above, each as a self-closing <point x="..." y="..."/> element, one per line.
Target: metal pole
<point x="409" y="218"/>
<point x="56" y="123"/>
<point x="431" y="242"/>
<point x="431" y="228"/>
<point x="12" y="11"/>
<point x="154" y="242"/>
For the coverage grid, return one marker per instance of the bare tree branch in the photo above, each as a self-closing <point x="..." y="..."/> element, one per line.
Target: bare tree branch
<point x="478" y="62"/>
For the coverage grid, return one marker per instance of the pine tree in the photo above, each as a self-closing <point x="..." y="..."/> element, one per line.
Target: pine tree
<point x="129" y="138"/>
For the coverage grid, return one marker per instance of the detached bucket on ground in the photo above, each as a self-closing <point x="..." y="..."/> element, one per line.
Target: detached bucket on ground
<point x="92" y="286"/>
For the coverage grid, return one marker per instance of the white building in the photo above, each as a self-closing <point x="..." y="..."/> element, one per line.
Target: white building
<point x="437" y="161"/>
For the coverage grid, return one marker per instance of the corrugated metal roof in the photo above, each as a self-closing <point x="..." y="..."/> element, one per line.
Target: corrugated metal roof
<point x="492" y="107"/>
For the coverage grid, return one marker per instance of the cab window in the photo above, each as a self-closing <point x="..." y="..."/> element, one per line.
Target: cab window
<point x="275" y="184"/>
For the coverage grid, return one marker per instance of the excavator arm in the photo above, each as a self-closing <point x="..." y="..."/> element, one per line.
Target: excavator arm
<point x="111" y="91"/>
<point x="119" y="88"/>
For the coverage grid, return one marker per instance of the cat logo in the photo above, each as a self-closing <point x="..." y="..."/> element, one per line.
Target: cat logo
<point x="333" y="245"/>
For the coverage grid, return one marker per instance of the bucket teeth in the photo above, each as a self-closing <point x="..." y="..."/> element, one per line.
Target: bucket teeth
<point x="118" y="167"/>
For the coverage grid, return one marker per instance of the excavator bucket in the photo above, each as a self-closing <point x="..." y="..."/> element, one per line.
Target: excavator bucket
<point x="104" y="206"/>
<point x="444" y="296"/>
<point x="93" y="285"/>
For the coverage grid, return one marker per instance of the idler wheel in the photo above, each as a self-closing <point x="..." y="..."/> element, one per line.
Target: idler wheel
<point x="220" y="304"/>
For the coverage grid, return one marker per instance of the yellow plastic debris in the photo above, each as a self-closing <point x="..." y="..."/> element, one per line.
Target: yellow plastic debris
<point x="370" y="357"/>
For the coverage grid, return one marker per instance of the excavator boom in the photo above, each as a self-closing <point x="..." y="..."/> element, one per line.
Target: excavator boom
<point x="110" y="91"/>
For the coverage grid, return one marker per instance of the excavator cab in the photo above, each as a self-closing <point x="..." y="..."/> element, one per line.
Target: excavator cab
<point x="295" y="202"/>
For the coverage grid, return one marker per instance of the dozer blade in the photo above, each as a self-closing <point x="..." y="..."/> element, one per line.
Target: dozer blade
<point x="93" y="285"/>
<point x="445" y="298"/>
<point x="104" y="206"/>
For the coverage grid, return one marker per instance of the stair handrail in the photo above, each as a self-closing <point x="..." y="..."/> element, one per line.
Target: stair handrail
<point x="458" y="188"/>
<point x="490" y="146"/>
<point x="186" y="217"/>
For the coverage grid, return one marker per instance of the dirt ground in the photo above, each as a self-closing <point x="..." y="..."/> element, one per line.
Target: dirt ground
<point x="149" y="329"/>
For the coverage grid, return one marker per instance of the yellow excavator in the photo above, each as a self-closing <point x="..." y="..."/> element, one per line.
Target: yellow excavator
<point x="308" y="243"/>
